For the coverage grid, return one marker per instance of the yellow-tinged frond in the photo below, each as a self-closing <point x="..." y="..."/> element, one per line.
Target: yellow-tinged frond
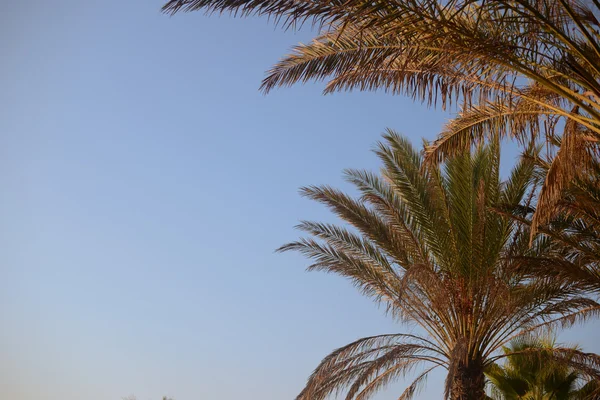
<point x="572" y="161"/>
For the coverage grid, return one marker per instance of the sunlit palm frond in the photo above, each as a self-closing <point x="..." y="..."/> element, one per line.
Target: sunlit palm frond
<point x="370" y="362"/>
<point x="416" y="385"/>
<point x="522" y="116"/>
<point x="482" y="56"/>
<point x="353" y="57"/>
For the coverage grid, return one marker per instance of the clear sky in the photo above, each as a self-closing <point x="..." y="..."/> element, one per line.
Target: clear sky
<point x="146" y="183"/>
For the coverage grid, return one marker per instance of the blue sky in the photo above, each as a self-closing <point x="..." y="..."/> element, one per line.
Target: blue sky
<point x="146" y="182"/>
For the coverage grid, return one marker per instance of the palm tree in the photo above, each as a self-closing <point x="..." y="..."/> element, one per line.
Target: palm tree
<point x="540" y="378"/>
<point x="426" y="244"/>
<point x="519" y="67"/>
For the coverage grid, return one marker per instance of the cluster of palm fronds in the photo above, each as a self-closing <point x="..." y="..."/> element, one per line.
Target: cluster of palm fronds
<point x="438" y="237"/>
<point x="540" y="378"/>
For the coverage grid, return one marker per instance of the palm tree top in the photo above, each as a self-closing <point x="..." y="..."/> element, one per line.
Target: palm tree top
<point x="425" y="242"/>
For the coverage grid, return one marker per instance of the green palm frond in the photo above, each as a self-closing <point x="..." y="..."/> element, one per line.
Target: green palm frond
<point x="538" y="368"/>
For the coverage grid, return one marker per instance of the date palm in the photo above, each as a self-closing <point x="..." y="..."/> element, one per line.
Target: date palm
<point x="520" y="67"/>
<point x="424" y="242"/>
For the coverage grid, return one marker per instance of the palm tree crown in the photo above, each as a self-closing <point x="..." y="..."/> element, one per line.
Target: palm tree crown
<point x="427" y="245"/>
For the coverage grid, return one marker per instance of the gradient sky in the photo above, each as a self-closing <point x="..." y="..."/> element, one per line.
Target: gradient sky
<point x="146" y="182"/>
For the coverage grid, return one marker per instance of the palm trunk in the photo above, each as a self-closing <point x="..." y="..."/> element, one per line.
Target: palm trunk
<point x="469" y="382"/>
